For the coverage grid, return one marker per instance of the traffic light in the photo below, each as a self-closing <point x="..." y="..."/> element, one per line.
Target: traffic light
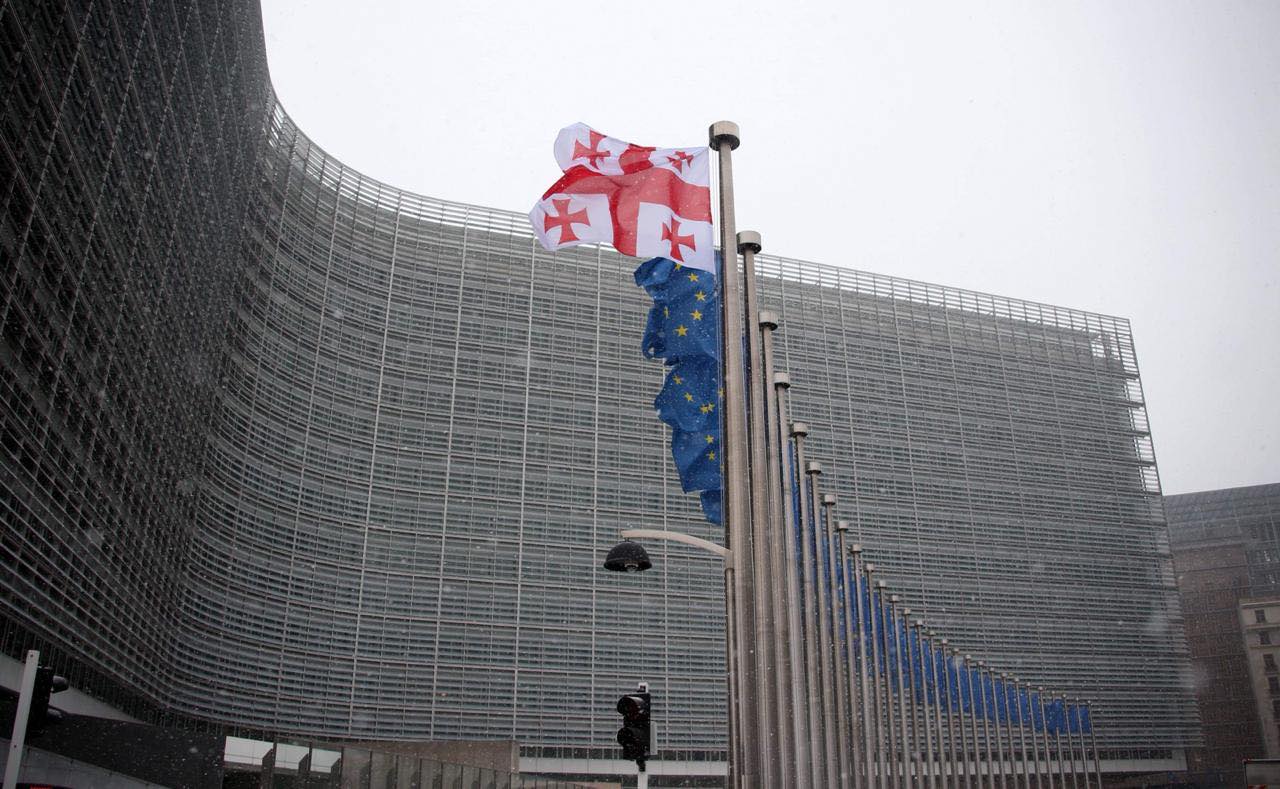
<point x="635" y="736"/>
<point x="47" y="683"/>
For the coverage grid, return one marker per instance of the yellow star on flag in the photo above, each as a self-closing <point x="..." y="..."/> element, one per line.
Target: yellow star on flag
<point x="681" y="331"/>
<point x="700" y="296"/>
<point x="697" y="315"/>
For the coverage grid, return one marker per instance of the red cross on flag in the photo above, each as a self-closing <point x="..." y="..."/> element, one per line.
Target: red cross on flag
<point x="647" y="202"/>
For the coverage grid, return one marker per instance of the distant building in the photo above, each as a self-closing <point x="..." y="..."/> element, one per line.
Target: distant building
<point x="1226" y="552"/>
<point x="291" y="451"/>
<point x="1260" y="620"/>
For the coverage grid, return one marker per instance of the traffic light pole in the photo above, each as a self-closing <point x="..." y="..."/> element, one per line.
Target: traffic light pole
<point x="18" y="740"/>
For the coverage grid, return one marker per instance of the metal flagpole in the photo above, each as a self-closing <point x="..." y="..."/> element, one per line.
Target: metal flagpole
<point x="1093" y="743"/>
<point x="1084" y="749"/>
<point x="969" y="775"/>
<point x="907" y="678"/>
<point x="983" y="673"/>
<point x="855" y="701"/>
<point x="836" y="610"/>
<point x="993" y="715"/>
<point x="904" y="752"/>
<point x="1075" y="716"/>
<point x="1035" y="741"/>
<point x="744" y="751"/>
<point x="830" y="726"/>
<point x="1022" y="734"/>
<point x="763" y="545"/>
<point x="891" y="756"/>
<point x="937" y="708"/>
<point x="1008" y="729"/>
<point x="1044" y="732"/>
<point x="973" y="722"/>
<point x="1071" y="744"/>
<point x="792" y="739"/>
<point x="867" y="707"/>
<point x="812" y="649"/>
<point x="927" y="680"/>
<point x="1057" y="745"/>
<point x="877" y="689"/>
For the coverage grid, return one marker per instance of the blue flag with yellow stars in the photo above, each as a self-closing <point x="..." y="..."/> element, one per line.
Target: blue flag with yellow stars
<point x="689" y="396"/>
<point x="684" y="320"/>
<point x="683" y="330"/>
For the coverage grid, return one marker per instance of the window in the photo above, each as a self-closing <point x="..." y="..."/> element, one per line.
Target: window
<point x="1269" y="662"/>
<point x="1264" y="637"/>
<point x="1260" y="615"/>
<point x="1273" y="684"/>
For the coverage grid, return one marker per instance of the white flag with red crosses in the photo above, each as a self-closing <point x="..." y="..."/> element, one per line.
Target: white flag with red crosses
<point x="648" y="202"/>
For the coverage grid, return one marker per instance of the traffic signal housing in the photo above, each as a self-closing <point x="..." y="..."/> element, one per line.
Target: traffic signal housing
<point x="47" y="683"/>
<point x="635" y="736"/>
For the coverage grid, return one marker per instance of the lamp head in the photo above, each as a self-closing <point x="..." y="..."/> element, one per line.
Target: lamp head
<point x="627" y="557"/>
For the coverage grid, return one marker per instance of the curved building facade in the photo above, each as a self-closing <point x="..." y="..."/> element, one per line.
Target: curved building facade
<point x="292" y="451"/>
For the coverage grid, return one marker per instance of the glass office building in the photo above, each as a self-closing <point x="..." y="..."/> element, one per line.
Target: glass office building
<point x="288" y="450"/>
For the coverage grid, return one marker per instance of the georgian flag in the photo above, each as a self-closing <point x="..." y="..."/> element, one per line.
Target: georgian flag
<point x="644" y="201"/>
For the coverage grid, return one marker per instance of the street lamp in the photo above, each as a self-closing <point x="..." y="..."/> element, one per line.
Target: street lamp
<point x="627" y="557"/>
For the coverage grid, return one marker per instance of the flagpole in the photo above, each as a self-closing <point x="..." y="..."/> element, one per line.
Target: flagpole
<point x="806" y="751"/>
<point x="959" y="713"/>
<point x="986" y="726"/>
<point x="789" y="682"/>
<point x="911" y="722"/>
<point x="762" y="529"/>
<point x="937" y="709"/>
<point x="1084" y="755"/>
<point x="1057" y="741"/>
<point x="1022" y="735"/>
<point x="978" y="771"/>
<point x="925" y="718"/>
<point x="891" y="704"/>
<point x="993" y="716"/>
<point x="1093" y="742"/>
<point x="744" y="762"/>
<point x="836" y="609"/>
<point x="1044" y="732"/>
<point x="877" y="686"/>
<point x="812" y="644"/>
<point x="1042" y="780"/>
<point x="764" y="642"/>
<point x="855" y="700"/>
<point x="1084" y="749"/>
<point x="865" y="708"/>
<point x="1008" y="725"/>
<point x="952" y="774"/>
<point x="904" y="759"/>
<point x="813" y="469"/>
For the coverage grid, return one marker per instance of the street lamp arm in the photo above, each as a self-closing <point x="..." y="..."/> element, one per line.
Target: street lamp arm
<point x="675" y="536"/>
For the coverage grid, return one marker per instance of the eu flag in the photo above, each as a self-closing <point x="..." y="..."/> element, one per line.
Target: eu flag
<point x="684" y="320"/>
<point x="697" y="456"/>
<point x="683" y="330"/>
<point x="1055" y="717"/>
<point x="690" y="395"/>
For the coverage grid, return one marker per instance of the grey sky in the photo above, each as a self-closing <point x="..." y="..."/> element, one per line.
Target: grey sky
<point x="1117" y="157"/>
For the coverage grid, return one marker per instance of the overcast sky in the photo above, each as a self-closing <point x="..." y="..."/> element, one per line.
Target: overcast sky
<point x="1115" y="157"/>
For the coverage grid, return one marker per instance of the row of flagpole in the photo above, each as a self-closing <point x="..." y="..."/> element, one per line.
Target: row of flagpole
<point x="828" y="685"/>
